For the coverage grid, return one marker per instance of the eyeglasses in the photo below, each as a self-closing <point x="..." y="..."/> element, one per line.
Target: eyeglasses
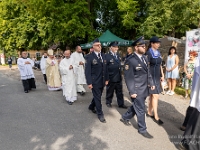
<point x="142" y="46"/>
<point x="97" y="45"/>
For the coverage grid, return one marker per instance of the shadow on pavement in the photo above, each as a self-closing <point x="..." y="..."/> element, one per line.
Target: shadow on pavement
<point x="42" y="120"/>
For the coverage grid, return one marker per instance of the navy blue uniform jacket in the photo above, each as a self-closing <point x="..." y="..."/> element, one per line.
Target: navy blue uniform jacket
<point x="114" y="67"/>
<point x="96" y="71"/>
<point x="137" y="76"/>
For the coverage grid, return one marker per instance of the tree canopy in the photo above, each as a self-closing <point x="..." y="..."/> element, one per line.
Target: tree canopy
<point x="38" y="24"/>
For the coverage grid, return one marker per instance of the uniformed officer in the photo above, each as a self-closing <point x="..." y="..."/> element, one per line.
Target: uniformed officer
<point x="138" y="81"/>
<point x="115" y="79"/>
<point x="97" y="77"/>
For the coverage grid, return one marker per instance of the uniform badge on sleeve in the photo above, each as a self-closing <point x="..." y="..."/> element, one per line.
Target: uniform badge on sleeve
<point x="126" y="67"/>
<point x="94" y="61"/>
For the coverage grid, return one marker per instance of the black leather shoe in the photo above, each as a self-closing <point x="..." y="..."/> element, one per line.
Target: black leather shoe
<point x="126" y="122"/>
<point x="182" y="128"/>
<point x="146" y="135"/>
<point x="70" y="103"/>
<point x="26" y="91"/>
<point x="82" y="93"/>
<point x="159" y="122"/>
<point x="149" y="115"/>
<point x="102" y="119"/>
<point x="183" y="145"/>
<point x="109" y="105"/>
<point x="123" y="106"/>
<point x="93" y="110"/>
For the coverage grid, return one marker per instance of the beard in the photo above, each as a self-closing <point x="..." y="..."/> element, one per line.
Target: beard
<point x="140" y="52"/>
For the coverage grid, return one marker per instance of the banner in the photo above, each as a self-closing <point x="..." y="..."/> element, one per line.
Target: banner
<point x="192" y="42"/>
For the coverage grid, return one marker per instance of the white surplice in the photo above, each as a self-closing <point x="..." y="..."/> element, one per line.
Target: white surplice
<point x="43" y="64"/>
<point x="68" y="79"/>
<point x="195" y="92"/>
<point x="79" y="71"/>
<point x="26" y="70"/>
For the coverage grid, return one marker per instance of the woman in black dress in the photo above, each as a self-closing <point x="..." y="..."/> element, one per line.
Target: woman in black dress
<point x="155" y="64"/>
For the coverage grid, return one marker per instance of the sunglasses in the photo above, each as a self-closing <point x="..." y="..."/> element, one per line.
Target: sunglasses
<point x="142" y="46"/>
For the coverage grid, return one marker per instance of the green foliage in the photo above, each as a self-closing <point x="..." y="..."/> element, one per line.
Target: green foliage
<point x="37" y="24"/>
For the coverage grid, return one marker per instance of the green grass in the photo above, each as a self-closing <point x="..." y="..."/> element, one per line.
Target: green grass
<point x="180" y="91"/>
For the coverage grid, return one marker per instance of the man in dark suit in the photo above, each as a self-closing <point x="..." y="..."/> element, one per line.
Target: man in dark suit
<point x="115" y="78"/>
<point x="138" y="80"/>
<point x="97" y="77"/>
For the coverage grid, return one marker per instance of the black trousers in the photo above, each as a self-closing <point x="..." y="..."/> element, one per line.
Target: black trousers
<point x="96" y="101"/>
<point x="138" y="109"/>
<point x="117" y="87"/>
<point x="45" y="78"/>
<point x="29" y="84"/>
<point x="192" y="132"/>
<point x="187" y="116"/>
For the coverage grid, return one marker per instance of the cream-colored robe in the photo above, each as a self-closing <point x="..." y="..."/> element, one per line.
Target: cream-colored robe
<point x="79" y="71"/>
<point x="53" y="75"/>
<point x="68" y="79"/>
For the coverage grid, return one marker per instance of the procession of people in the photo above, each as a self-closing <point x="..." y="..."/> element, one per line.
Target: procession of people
<point x="143" y="74"/>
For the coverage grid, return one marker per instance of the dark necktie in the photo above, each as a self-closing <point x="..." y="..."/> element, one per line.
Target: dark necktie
<point x="115" y="56"/>
<point x="99" y="57"/>
<point x="143" y="60"/>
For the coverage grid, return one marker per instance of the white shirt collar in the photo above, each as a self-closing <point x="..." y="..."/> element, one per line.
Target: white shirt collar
<point x="112" y="53"/>
<point x="140" y="56"/>
<point x="97" y="53"/>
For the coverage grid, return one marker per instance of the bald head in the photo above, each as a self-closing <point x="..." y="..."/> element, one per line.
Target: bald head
<point x="78" y="49"/>
<point x="67" y="53"/>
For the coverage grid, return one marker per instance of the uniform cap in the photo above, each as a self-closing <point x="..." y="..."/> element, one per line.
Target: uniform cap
<point x="139" y="41"/>
<point x="114" y="43"/>
<point x="155" y="39"/>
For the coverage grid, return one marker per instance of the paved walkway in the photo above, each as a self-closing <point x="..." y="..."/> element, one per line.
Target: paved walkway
<point x="42" y="120"/>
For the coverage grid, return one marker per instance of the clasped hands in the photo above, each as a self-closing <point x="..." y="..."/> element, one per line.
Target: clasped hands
<point x="27" y="62"/>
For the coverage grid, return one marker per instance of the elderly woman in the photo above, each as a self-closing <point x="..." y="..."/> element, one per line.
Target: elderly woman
<point x="189" y="71"/>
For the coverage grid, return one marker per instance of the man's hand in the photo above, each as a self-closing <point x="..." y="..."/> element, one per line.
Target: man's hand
<point x="90" y="86"/>
<point x="80" y="63"/>
<point x="27" y="62"/>
<point x="133" y="95"/>
<point x="70" y="67"/>
<point x="106" y="83"/>
<point x="153" y="87"/>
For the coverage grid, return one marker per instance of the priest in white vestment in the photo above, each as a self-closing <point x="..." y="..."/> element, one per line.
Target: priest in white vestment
<point x="25" y="67"/>
<point x="79" y="64"/>
<point x="68" y="78"/>
<point x="43" y="66"/>
<point x="52" y="72"/>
